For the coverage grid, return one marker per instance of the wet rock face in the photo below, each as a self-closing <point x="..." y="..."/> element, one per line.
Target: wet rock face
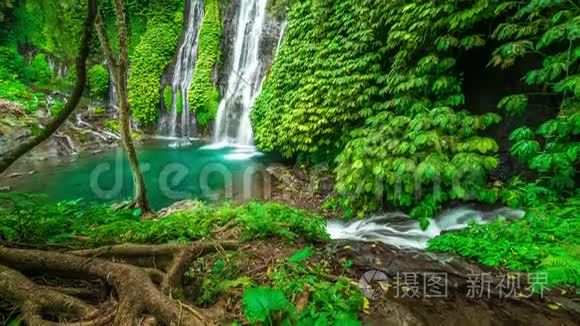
<point x="230" y="13"/>
<point x="268" y="42"/>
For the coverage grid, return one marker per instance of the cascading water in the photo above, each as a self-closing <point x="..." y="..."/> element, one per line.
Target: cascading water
<point x="245" y="78"/>
<point x="400" y="230"/>
<point x="178" y="121"/>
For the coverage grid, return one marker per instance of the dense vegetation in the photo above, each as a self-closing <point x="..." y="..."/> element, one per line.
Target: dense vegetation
<point x="545" y="240"/>
<point x="204" y="96"/>
<point x="375" y="89"/>
<point x="151" y="55"/>
<point x="80" y="225"/>
<point x="382" y="92"/>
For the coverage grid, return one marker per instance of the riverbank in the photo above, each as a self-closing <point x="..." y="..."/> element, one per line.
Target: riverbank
<point x="87" y="133"/>
<point x="284" y="252"/>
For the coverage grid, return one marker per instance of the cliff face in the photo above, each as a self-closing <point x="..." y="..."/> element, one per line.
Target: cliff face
<point x="268" y="42"/>
<point x="230" y="13"/>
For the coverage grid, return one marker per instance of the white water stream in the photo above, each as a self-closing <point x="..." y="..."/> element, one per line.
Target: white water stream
<point x="400" y="230"/>
<point x="245" y="78"/>
<point x="179" y="122"/>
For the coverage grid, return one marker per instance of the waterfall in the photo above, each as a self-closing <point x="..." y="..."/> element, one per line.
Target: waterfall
<point x="400" y="230"/>
<point x="178" y="121"/>
<point x="245" y="78"/>
<point x="112" y="95"/>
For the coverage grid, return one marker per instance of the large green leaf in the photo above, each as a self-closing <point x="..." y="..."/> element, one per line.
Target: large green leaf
<point x="261" y="303"/>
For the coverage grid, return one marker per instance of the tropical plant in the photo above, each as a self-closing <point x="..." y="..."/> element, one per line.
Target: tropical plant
<point x="545" y="240"/>
<point x="330" y="302"/>
<point x="548" y="30"/>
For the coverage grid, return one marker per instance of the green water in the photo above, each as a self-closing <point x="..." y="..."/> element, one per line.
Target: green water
<point x="171" y="174"/>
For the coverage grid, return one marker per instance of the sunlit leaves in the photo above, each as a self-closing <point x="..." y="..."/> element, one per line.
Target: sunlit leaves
<point x="506" y="55"/>
<point x="472" y="41"/>
<point x="514" y="104"/>
<point x="522" y="133"/>
<point x="570" y="84"/>
<point x="525" y="149"/>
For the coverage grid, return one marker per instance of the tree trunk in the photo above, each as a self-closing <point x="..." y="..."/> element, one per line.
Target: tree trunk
<point x="119" y="68"/>
<point x="14" y="154"/>
<point x="140" y="200"/>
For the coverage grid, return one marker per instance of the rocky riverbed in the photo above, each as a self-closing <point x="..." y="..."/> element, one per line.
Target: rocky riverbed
<point x="83" y="134"/>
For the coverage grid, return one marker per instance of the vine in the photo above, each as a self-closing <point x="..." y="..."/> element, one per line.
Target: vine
<point x="204" y="96"/>
<point x="148" y="61"/>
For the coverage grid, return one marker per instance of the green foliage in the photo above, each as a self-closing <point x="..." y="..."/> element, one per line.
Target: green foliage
<point x="322" y="81"/>
<point x="56" y="107"/>
<point x="167" y="97"/>
<point x="224" y="273"/>
<point x="419" y="147"/>
<point x="38" y="70"/>
<point x="99" y="80"/>
<point x="12" y="63"/>
<point x="375" y="86"/>
<point x="18" y="92"/>
<point x="11" y="88"/>
<point x="154" y="51"/>
<point x="514" y="104"/>
<point x="544" y="240"/>
<point x="204" y="97"/>
<point x="549" y="30"/>
<point x="330" y="303"/>
<point x="67" y="221"/>
<point x="260" y="304"/>
<point x="113" y="125"/>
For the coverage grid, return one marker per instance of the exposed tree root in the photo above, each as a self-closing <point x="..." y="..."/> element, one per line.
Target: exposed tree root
<point x="147" y="281"/>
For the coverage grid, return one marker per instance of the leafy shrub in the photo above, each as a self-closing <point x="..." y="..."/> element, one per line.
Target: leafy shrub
<point x="167" y="97"/>
<point x="113" y="125"/>
<point x="330" y="303"/>
<point x="99" y="80"/>
<point x="322" y="80"/>
<point x="203" y="95"/>
<point x="16" y="91"/>
<point x="38" y="71"/>
<point x="12" y="63"/>
<point x="377" y="88"/>
<point x="544" y="240"/>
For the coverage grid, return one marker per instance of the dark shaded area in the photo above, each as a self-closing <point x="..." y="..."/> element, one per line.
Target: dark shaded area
<point x="484" y="86"/>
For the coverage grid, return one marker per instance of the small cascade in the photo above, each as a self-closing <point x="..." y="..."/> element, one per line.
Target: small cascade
<point x="178" y="122"/>
<point x="400" y="230"/>
<point x="58" y="69"/>
<point x="245" y="78"/>
<point x="281" y="37"/>
<point x="112" y="96"/>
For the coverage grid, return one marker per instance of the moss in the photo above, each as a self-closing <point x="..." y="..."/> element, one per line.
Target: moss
<point x="167" y="97"/>
<point x="152" y="54"/>
<point x="203" y="96"/>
